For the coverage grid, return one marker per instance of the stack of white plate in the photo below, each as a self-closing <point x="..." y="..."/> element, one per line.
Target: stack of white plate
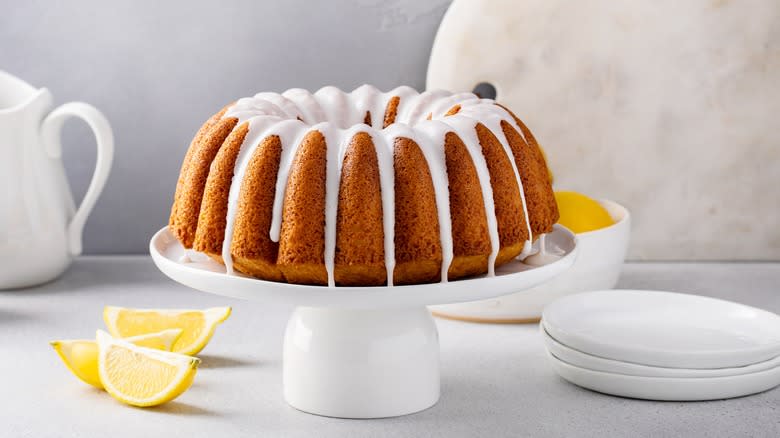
<point x="662" y="345"/>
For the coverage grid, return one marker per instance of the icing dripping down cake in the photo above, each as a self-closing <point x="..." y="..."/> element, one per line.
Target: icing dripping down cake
<point x="363" y="188"/>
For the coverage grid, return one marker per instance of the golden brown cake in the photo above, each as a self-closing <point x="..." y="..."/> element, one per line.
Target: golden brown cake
<point x="336" y="188"/>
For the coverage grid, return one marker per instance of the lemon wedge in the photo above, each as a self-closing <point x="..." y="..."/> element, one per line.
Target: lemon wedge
<point x="580" y="213"/>
<point x="141" y="376"/>
<point x="81" y="355"/>
<point x="162" y="340"/>
<point x="197" y="325"/>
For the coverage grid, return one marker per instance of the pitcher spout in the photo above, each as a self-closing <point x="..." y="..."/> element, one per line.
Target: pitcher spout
<point x="17" y="96"/>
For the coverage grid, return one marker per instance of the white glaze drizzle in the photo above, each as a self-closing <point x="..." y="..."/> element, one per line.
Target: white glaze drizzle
<point x="543" y="256"/>
<point x="335" y="159"/>
<point x="384" y="144"/>
<point x="417" y="110"/>
<point x="493" y="121"/>
<point x="339" y="116"/>
<point x="288" y="106"/>
<point x="309" y="107"/>
<point x="429" y="137"/>
<point x="465" y="128"/>
<point x="335" y="106"/>
<point x="290" y="133"/>
<point x="367" y="99"/>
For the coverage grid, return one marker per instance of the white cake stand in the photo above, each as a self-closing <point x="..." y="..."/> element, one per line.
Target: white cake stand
<point x="359" y="352"/>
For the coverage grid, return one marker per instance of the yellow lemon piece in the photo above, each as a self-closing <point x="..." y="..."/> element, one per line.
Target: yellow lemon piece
<point x="81" y="355"/>
<point x="162" y="340"/>
<point x="141" y="376"/>
<point x="580" y="213"/>
<point x="198" y="325"/>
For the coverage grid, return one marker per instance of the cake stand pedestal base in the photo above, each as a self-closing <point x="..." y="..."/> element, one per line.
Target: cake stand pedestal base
<point x="359" y="351"/>
<point x="361" y="363"/>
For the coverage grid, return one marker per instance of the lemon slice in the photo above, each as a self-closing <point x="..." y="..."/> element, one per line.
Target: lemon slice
<point x="141" y="376"/>
<point x="81" y="355"/>
<point x="580" y="213"/>
<point x="198" y="325"/>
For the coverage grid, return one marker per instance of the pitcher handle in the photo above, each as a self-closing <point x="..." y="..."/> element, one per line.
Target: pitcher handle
<point x="51" y="130"/>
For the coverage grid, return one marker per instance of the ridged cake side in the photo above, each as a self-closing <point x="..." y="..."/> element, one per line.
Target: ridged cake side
<point x="295" y="187"/>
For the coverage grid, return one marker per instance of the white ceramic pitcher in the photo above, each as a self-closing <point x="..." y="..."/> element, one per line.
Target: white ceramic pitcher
<point x="40" y="227"/>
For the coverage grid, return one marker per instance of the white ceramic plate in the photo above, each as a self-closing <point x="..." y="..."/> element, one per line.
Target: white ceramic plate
<point x="596" y="363"/>
<point x="209" y="276"/>
<point x="664" y="329"/>
<point x="667" y="388"/>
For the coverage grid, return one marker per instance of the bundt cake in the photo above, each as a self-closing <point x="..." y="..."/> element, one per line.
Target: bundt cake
<point x="363" y="188"/>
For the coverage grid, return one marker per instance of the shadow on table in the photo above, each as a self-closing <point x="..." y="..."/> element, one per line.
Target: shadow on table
<point x="98" y="275"/>
<point x="211" y="362"/>
<point x="179" y="408"/>
<point x="11" y="316"/>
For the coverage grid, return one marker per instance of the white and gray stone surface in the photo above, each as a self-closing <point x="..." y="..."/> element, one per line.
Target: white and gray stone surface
<point x="495" y="379"/>
<point x="667" y="107"/>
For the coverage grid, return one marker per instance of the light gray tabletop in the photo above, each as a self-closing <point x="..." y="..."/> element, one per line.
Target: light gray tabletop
<point x="495" y="379"/>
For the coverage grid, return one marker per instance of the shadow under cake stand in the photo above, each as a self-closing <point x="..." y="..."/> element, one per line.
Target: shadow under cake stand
<point x="359" y="352"/>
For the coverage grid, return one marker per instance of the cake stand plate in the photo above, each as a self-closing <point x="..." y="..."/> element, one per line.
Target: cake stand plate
<point x="358" y="352"/>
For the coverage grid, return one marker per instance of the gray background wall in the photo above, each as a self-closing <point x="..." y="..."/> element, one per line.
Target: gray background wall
<point x="158" y="69"/>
